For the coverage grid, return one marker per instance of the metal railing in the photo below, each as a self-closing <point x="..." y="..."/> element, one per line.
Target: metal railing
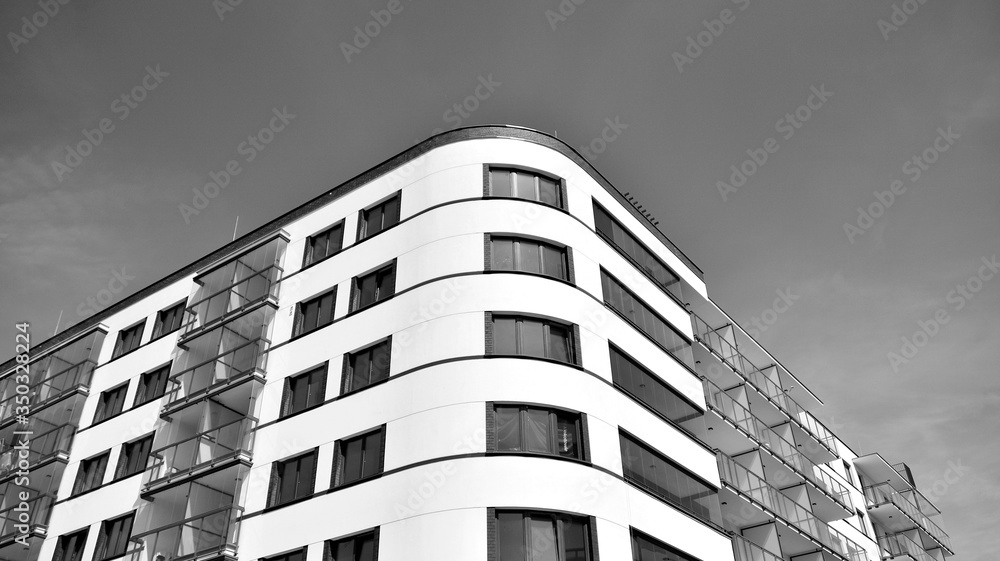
<point x="756" y="378"/>
<point x="746" y="550"/>
<point x="218" y="370"/>
<point x="801" y="464"/>
<point x="40" y="448"/>
<point x="203" y="449"/>
<point x="752" y="485"/>
<point x="898" y="544"/>
<point x="259" y="286"/>
<point x="883" y="493"/>
<point x="50" y="388"/>
<point x="216" y="531"/>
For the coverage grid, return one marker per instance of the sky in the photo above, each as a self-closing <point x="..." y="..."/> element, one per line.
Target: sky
<point x="874" y="213"/>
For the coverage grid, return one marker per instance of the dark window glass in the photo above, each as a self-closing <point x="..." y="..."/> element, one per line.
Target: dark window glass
<point x="523" y="428"/>
<point x="532" y="337"/>
<point x="523" y="536"/>
<point x="113" y="540"/>
<point x="522" y="184"/>
<point x="152" y="385"/>
<point x="516" y="254"/>
<point x="649" y="389"/>
<point x="633" y="250"/>
<point x="134" y="457"/>
<point x="305" y="390"/>
<point x="374" y="287"/>
<point x="297" y="555"/>
<point x="168" y="321"/>
<point x="111" y="403"/>
<point x="128" y="339"/>
<point x="652" y="471"/>
<point x="360" y="457"/>
<point x="315" y="313"/>
<point x="90" y="474"/>
<point x="645" y="319"/>
<point x="379" y="217"/>
<point x="645" y="548"/>
<point x="355" y="548"/>
<point x="70" y="546"/>
<point x="293" y="479"/>
<point x="324" y="244"/>
<point x="368" y="366"/>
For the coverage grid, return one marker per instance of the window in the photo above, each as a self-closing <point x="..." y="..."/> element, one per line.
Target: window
<point x="861" y="523"/>
<point x="524" y="184"/>
<point x="134" y="457"/>
<point x="324" y="244"/>
<point x="645" y="319"/>
<point x="358" y="458"/>
<point x="379" y="217"/>
<point x="530" y="256"/>
<point x="646" y="387"/>
<point x="523" y="428"/>
<point x="650" y="470"/>
<point x="168" y="321"/>
<point x="128" y="339"/>
<point x="541" y="536"/>
<point x="111" y="403"/>
<point x="313" y="314"/>
<point x="645" y="548"/>
<point x="297" y="555"/>
<point x="362" y="547"/>
<point x="367" y="366"/>
<point x="304" y="391"/>
<point x="292" y="479"/>
<point x="152" y="385"/>
<point x="90" y="474"/>
<point x="373" y="287"/>
<point x="532" y="337"/>
<point x="70" y="546"/>
<point x="113" y="539"/>
<point x="632" y="249"/>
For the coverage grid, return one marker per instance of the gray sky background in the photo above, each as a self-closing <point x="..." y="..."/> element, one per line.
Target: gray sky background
<point x="61" y="238"/>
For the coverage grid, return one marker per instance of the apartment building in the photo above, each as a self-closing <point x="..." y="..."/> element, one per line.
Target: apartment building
<point x="477" y="350"/>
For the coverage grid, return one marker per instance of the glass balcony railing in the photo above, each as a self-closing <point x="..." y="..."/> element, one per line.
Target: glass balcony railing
<point x="746" y="550"/>
<point x="753" y="375"/>
<point x="883" y="493"/>
<point x="742" y="417"/>
<point x="40" y="448"/>
<point x="216" y="532"/>
<point x="245" y="359"/>
<point x="201" y="450"/>
<point x="238" y="296"/>
<point x="897" y="545"/>
<point x="33" y="512"/>
<point x="749" y="483"/>
<point x="50" y="388"/>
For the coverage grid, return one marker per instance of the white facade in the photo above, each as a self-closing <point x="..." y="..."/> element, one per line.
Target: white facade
<point x="441" y="476"/>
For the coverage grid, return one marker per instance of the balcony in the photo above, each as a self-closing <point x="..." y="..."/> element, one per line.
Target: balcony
<point x="746" y="550"/>
<point x="75" y="377"/>
<point x="51" y="444"/>
<point x="808" y="530"/>
<point x="820" y="443"/>
<point x="835" y="502"/>
<point x="893" y="511"/>
<point x="231" y="442"/>
<point x="36" y="510"/>
<point x="230" y="301"/>
<point x="215" y="375"/>
<point x="205" y="536"/>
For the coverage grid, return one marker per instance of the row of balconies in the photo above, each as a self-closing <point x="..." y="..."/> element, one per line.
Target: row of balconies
<point x="896" y="513"/>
